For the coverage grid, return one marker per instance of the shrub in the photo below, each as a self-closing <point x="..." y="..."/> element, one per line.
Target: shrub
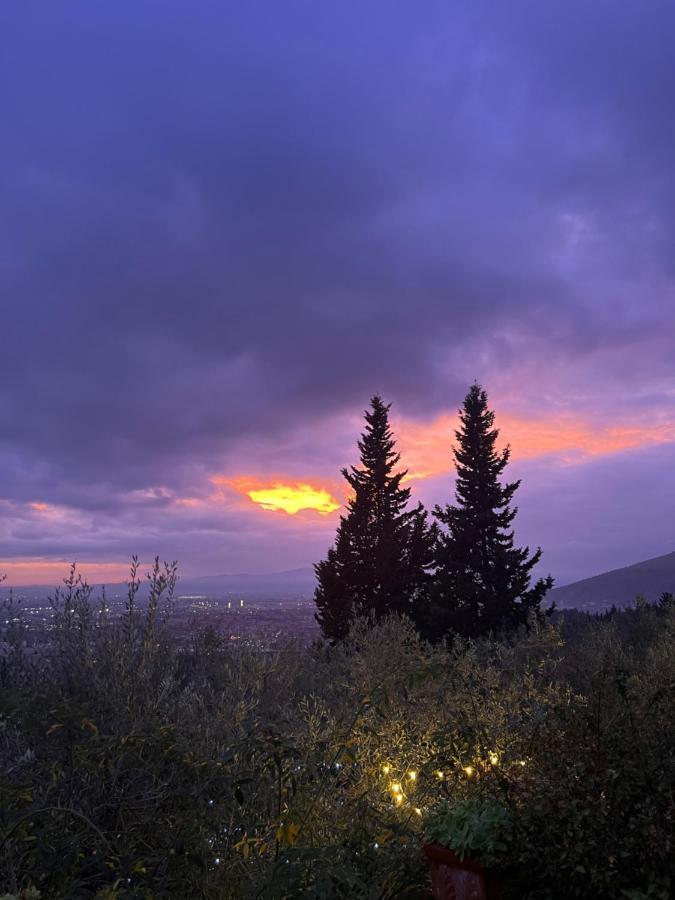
<point x="478" y="827"/>
<point x="131" y="768"/>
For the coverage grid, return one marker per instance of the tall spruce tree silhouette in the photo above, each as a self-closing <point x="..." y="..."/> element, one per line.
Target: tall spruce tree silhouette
<point x="382" y="553"/>
<point x="481" y="582"/>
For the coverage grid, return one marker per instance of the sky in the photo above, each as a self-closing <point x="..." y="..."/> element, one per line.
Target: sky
<point x="224" y="227"/>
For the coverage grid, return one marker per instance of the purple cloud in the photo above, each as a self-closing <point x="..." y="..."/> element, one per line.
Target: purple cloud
<point x="222" y="230"/>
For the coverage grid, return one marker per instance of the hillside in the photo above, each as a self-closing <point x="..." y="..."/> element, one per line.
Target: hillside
<point x="620" y="586"/>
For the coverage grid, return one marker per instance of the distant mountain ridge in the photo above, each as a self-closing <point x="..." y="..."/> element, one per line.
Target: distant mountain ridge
<point x="618" y="587"/>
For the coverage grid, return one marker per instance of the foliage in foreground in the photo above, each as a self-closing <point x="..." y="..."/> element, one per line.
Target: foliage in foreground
<point x="476" y="827"/>
<point x="131" y="770"/>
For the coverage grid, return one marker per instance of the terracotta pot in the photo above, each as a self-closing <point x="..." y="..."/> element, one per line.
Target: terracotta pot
<point x="453" y="878"/>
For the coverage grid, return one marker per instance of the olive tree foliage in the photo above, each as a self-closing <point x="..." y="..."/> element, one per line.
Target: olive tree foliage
<point x="131" y="768"/>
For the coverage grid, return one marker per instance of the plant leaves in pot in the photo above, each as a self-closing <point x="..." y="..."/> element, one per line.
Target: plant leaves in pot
<point x="467" y="845"/>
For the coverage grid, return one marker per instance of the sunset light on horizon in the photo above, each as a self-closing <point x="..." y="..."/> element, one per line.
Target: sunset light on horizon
<point x="52" y="572"/>
<point x="426" y="452"/>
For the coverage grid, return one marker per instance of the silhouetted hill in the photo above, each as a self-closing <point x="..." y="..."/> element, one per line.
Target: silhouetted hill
<point x="620" y="586"/>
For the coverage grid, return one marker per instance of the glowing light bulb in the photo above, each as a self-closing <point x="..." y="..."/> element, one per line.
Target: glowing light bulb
<point x="418" y="811"/>
<point x="398" y="799"/>
<point x="412" y="775"/>
<point x="494" y="758"/>
<point x="386" y="768"/>
<point x="468" y="770"/>
<point x="439" y="774"/>
<point x="521" y="762"/>
<point x="395" y="787"/>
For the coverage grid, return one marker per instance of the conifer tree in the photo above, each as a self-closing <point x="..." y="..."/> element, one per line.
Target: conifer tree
<point x="481" y="581"/>
<point x="382" y="552"/>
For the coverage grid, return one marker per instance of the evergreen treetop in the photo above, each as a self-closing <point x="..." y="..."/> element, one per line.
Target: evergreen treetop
<point x="481" y="581"/>
<point x="382" y="551"/>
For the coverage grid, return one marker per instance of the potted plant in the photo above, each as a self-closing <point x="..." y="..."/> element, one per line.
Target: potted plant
<point x="467" y="843"/>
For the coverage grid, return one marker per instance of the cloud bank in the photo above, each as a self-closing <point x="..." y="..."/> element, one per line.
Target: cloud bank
<point x="223" y="229"/>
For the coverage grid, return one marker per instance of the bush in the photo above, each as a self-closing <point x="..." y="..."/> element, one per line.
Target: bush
<point x="478" y="827"/>
<point x="130" y="768"/>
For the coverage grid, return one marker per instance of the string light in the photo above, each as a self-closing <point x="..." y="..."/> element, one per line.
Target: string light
<point x="412" y="775"/>
<point x="386" y="768"/>
<point x="395" y="787"/>
<point x="494" y="758"/>
<point x="439" y="774"/>
<point x="521" y="762"/>
<point x="399" y="799"/>
<point x="418" y="811"/>
<point x="468" y="770"/>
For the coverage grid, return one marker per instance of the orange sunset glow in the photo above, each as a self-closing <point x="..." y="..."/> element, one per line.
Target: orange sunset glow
<point x="426" y="452"/>
<point x="39" y="571"/>
<point x="426" y="446"/>
<point x="291" y="498"/>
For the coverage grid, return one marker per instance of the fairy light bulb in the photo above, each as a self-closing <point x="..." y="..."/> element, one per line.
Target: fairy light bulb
<point x="468" y="770"/>
<point x="395" y="787"/>
<point x="493" y="757"/>
<point x="386" y="768"/>
<point x="439" y="774"/>
<point x="412" y="775"/>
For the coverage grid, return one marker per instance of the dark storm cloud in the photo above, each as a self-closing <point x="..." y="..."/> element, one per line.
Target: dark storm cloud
<point x="223" y="224"/>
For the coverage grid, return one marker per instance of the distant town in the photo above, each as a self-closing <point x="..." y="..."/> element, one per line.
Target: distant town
<point x="255" y="619"/>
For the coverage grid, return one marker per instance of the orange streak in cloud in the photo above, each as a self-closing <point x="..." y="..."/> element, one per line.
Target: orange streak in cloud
<point x="52" y="572"/>
<point x="426" y="447"/>
<point x="291" y="498"/>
